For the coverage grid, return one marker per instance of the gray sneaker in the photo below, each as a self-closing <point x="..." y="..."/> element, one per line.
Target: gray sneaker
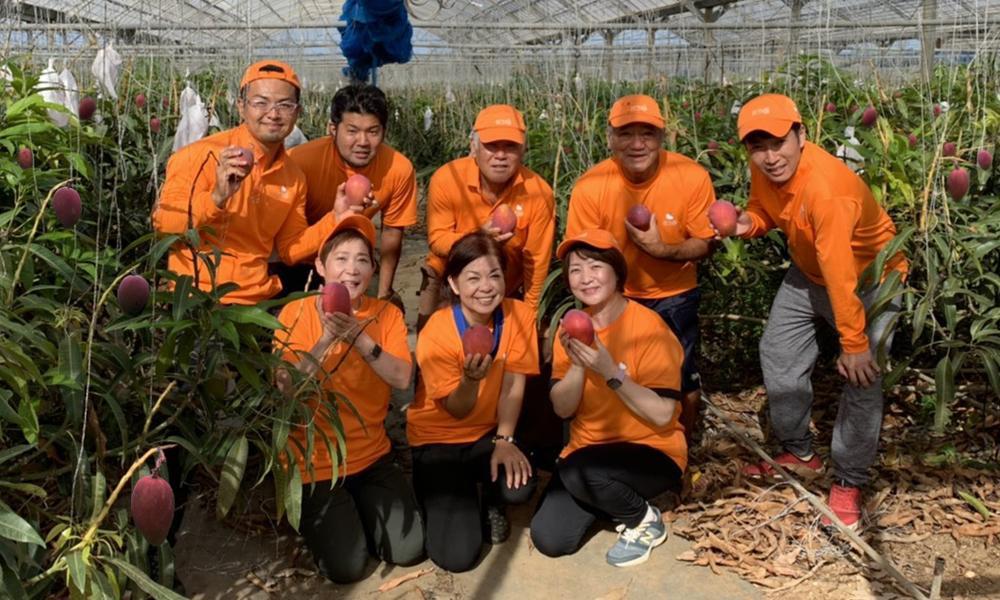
<point x="634" y="545"/>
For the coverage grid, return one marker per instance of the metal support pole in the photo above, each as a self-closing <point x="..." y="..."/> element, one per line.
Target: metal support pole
<point x="928" y="40"/>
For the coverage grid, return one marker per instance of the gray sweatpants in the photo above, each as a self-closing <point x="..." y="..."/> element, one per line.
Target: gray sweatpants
<point x="788" y="352"/>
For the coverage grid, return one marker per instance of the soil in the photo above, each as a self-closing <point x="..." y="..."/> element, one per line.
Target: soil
<point x="915" y="513"/>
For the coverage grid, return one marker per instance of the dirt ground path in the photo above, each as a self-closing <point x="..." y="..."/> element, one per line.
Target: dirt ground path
<point x="251" y="558"/>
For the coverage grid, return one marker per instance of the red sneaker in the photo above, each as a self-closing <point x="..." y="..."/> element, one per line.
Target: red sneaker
<point x="845" y="502"/>
<point x="804" y="468"/>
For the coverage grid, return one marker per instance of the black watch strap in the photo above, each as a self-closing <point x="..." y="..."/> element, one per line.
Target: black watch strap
<point x="375" y="352"/>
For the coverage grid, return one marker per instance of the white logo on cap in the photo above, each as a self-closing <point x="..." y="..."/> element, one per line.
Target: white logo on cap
<point x="761" y="111"/>
<point x="503" y="122"/>
<point x="638" y="108"/>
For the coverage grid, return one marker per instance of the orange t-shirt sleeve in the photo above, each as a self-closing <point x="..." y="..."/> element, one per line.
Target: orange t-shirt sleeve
<point x="171" y="212"/>
<point x="833" y="220"/>
<point x="538" y="250"/>
<point x="393" y="330"/>
<point x="439" y="355"/>
<point x="760" y="221"/>
<point x="295" y="336"/>
<point x="522" y="351"/>
<point x="583" y="211"/>
<point x="402" y="209"/>
<point x="297" y="241"/>
<point x="702" y="197"/>
<point x="658" y="362"/>
<point x="442" y="198"/>
<point x="560" y="360"/>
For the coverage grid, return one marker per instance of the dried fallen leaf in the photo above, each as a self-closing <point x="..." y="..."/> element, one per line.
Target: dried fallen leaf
<point x="267" y="586"/>
<point x="398" y="581"/>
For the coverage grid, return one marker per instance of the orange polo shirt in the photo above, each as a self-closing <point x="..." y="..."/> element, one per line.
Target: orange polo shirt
<point x="835" y="229"/>
<point x="394" y="182"/>
<point x="679" y="195"/>
<point x="355" y="380"/>
<point x="455" y="207"/>
<point x="652" y="356"/>
<point x="441" y="359"/>
<point x="267" y="212"/>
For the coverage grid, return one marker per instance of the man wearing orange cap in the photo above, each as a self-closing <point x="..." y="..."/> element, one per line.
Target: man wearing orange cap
<point x="239" y="189"/>
<point x="465" y="194"/>
<point x="359" y="116"/>
<point x="835" y="230"/>
<point x="675" y="192"/>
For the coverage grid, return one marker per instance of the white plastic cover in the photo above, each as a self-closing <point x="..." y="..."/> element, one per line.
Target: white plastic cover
<point x="71" y="91"/>
<point x="51" y="89"/>
<point x="295" y="138"/>
<point x="194" y="123"/>
<point x="105" y="69"/>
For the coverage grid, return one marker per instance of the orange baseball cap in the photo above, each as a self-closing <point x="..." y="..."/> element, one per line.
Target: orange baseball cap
<point x="500" y="122"/>
<point x="595" y="238"/>
<point x="270" y="69"/>
<point x="354" y="222"/>
<point x="638" y="108"/>
<point x="772" y="113"/>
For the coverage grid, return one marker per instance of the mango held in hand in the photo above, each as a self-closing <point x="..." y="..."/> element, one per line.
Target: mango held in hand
<point x="357" y="189"/>
<point x="66" y="204"/>
<point x="477" y="339"/>
<point x="578" y="326"/>
<point x="639" y="216"/>
<point x="723" y="216"/>
<point x="958" y="183"/>
<point x="133" y="294"/>
<point x="153" y="508"/>
<point x="246" y="155"/>
<point x="336" y="298"/>
<point x="504" y="219"/>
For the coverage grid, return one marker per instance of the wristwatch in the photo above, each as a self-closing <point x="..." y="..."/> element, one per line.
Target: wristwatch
<point x="374" y="353"/>
<point x="503" y="438"/>
<point x="615" y="381"/>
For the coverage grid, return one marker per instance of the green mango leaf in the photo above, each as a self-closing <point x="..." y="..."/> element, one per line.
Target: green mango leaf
<point x="232" y="475"/>
<point x="13" y="527"/>
<point x="157" y="591"/>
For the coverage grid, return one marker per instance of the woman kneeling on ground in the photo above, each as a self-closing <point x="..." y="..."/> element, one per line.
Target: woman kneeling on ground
<point x="364" y="505"/>
<point x="626" y="445"/>
<point x="461" y="423"/>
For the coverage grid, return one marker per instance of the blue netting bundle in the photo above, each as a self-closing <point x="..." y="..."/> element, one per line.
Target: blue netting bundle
<point x="378" y="32"/>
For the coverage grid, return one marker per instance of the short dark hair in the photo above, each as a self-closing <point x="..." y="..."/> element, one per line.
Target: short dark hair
<point x="609" y="256"/>
<point x="340" y="238"/>
<point x="470" y="247"/>
<point x="359" y="98"/>
<point x="761" y="135"/>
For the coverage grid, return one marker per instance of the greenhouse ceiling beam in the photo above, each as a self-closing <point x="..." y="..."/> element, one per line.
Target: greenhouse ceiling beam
<point x="561" y="27"/>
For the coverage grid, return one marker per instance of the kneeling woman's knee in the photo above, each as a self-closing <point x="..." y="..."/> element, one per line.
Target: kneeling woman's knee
<point x="547" y="540"/>
<point x="517" y="495"/>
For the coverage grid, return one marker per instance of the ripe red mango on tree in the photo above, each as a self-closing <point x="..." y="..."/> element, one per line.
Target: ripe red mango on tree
<point x="140" y="101"/>
<point x="912" y="138"/>
<point x="831" y="107"/>
<point x="152" y="506"/>
<point x="154" y="125"/>
<point x="958" y="183"/>
<point x="133" y="294"/>
<point x="639" y="217"/>
<point x="477" y="339"/>
<point x="66" y="204"/>
<point x="723" y="216"/>
<point x="357" y="189"/>
<point x="88" y="106"/>
<point x="949" y="149"/>
<point x="869" y="117"/>
<point x="25" y="158"/>
<point x="336" y="298"/>
<point x="578" y="325"/>
<point x="504" y="219"/>
<point x="984" y="158"/>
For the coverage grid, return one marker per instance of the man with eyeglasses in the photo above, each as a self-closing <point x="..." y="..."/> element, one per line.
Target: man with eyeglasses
<point x="245" y="197"/>
<point x="359" y="115"/>
<point x="662" y="256"/>
<point x="464" y="195"/>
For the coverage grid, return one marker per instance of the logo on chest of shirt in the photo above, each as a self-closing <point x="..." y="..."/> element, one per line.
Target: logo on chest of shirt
<point x="669" y="219"/>
<point x="518" y="210"/>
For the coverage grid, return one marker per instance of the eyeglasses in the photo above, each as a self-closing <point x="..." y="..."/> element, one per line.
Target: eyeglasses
<point x="264" y="106"/>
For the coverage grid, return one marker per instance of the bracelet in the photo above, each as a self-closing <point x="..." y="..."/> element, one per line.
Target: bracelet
<point x="503" y="438"/>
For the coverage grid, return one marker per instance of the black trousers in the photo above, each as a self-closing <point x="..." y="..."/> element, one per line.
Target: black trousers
<point x="606" y="481"/>
<point x="447" y="478"/>
<point x="372" y="512"/>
